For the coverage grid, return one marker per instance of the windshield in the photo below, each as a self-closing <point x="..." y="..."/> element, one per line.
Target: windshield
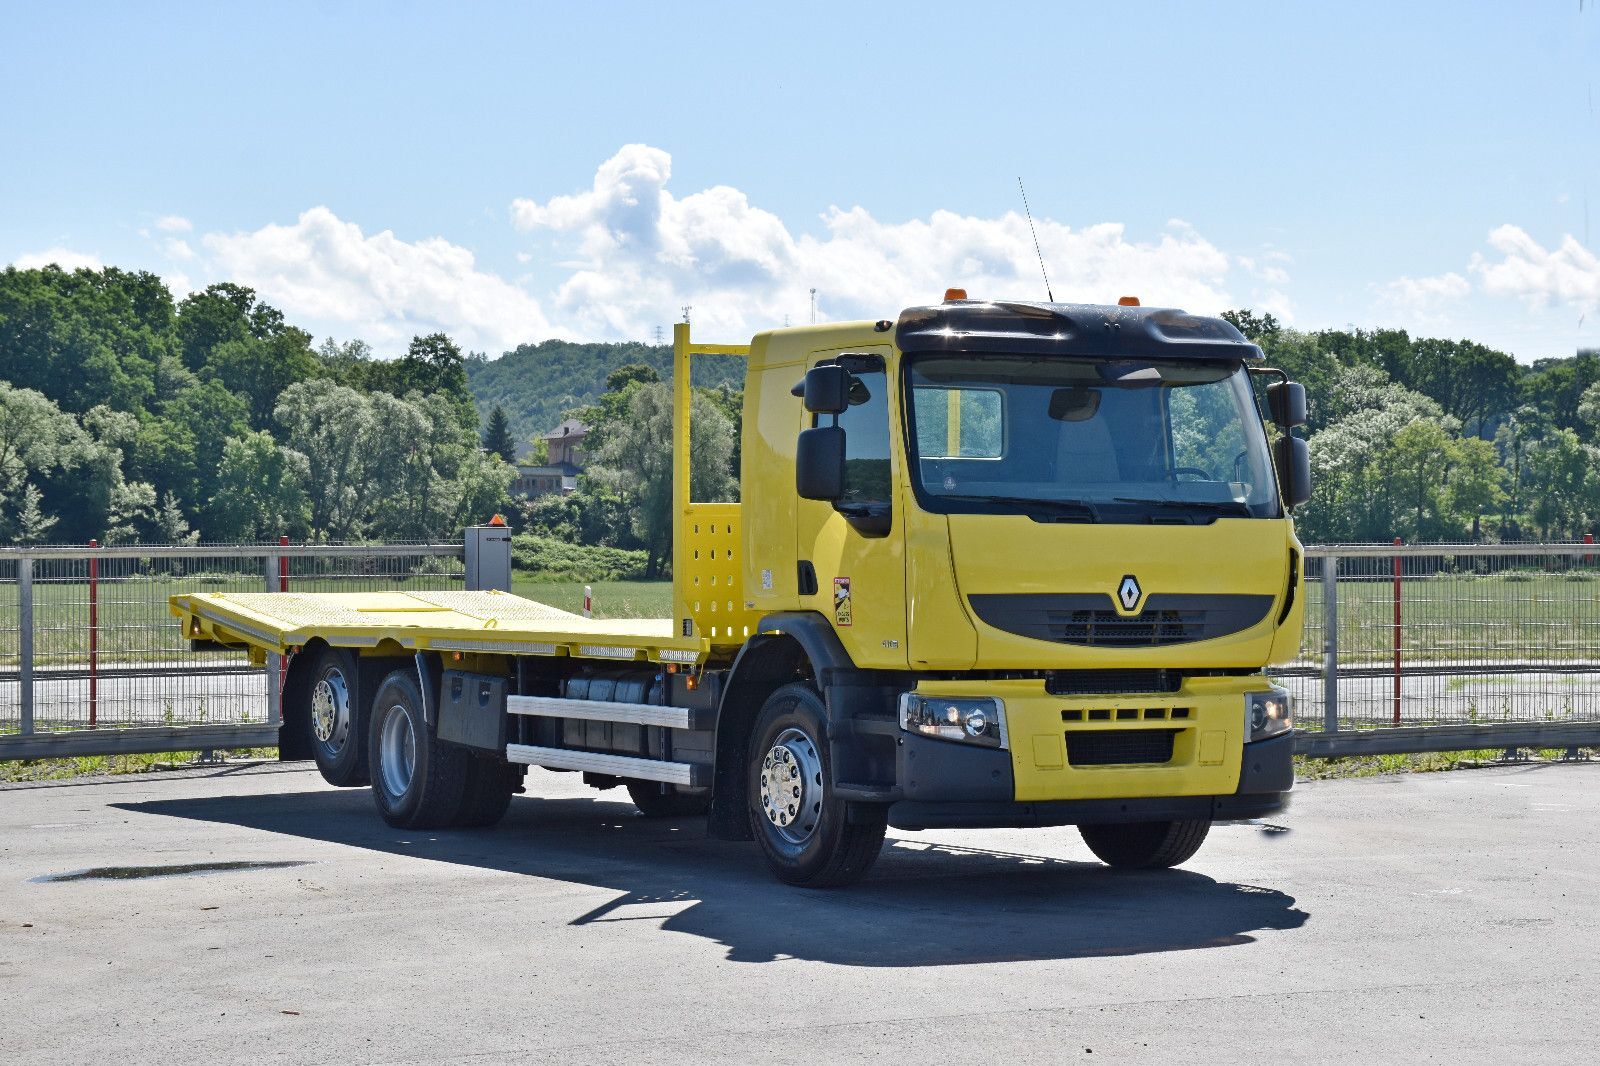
<point x="1117" y="441"/>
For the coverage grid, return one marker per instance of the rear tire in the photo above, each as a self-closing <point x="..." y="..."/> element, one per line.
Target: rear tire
<point x="417" y="782"/>
<point x="335" y="724"/>
<point x="807" y="834"/>
<point x="1145" y="845"/>
<point x="656" y="800"/>
<point x="490" y="785"/>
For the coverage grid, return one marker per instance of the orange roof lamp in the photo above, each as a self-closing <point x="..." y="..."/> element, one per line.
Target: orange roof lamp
<point x="498" y="520"/>
<point x="1128" y="301"/>
<point x="954" y="294"/>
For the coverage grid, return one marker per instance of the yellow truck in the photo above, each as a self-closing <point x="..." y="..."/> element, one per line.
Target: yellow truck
<point x="995" y="564"/>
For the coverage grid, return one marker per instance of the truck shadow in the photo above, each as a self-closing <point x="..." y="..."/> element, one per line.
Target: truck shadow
<point x="925" y="903"/>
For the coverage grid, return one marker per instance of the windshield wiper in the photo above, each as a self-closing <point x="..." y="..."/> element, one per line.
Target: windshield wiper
<point x="1060" y="507"/>
<point x="1229" y="507"/>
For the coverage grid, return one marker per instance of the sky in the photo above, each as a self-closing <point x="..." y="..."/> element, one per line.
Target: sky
<point x="509" y="173"/>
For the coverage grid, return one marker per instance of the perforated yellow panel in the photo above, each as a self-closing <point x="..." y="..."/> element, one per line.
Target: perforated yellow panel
<point x="710" y="590"/>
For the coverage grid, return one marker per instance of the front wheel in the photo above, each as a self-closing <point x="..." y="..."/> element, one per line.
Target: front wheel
<point x="808" y="835"/>
<point x="1145" y="845"/>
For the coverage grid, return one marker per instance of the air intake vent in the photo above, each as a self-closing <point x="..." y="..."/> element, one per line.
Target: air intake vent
<point x="1110" y="682"/>
<point x="1119" y="747"/>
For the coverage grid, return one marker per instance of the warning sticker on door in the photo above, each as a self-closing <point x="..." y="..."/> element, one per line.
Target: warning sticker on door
<point x="841" y="602"/>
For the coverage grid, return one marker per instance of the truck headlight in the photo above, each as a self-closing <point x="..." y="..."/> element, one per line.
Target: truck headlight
<point x="1266" y="714"/>
<point x="980" y="720"/>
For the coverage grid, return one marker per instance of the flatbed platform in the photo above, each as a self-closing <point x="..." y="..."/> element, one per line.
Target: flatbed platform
<point x="492" y="622"/>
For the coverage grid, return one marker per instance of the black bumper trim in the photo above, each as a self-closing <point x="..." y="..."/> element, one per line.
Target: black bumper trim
<point x="1265" y="779"/>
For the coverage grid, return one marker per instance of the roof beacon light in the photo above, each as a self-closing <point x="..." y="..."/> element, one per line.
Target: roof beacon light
<point x="498" y="520"/>
<point x="954" y="294"/>
<point x="1128" y="301"/>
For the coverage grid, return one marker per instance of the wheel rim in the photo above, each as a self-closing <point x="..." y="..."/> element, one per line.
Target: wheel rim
<point x="330" y="711"/>
<point x="397" y="747"/>
<point x="792" y="790"/>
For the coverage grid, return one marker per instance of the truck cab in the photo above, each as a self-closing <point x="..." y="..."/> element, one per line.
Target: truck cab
<point x="1055" y="539"/>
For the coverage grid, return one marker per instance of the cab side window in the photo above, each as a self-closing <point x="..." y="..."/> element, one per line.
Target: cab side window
<point x="866" y="448"/>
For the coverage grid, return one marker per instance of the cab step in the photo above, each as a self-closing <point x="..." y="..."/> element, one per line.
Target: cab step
<point x="605" y="711"/>
<point x="693" y="775"/>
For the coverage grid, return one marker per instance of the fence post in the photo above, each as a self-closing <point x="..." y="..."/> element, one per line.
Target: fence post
<point x="25" y="642"/>
<point x="1330" y="644"/>
<point x="94" y="636"/>
<point x="1397" y="634"/>
<point x="276" y="580"/>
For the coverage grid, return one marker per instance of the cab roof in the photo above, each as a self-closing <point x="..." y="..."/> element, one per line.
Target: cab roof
<point x="1083" y="330"/>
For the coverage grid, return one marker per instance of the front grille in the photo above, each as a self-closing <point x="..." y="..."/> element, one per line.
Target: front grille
<point x="1107" y="682"/>
<point x="1119" y="747"/>
<point x="1108" y="629"/>
<point x="1092" y="620"/>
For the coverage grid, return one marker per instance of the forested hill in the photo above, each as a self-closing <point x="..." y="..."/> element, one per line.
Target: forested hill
<point x="536" y="384"/>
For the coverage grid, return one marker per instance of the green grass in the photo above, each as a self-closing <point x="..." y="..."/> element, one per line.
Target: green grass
<point x="113" y="765"/>
<point x="1315" y="769"/>
<point x="1448" y="617"/>
<point x="612" y="599"/>
<point x="134" y="624"/>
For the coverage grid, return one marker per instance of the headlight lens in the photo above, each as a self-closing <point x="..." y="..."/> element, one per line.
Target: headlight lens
<point x="1266" y="714"/>
<point x="979" y="720"/>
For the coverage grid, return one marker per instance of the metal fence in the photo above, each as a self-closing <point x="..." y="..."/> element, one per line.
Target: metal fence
<point x="91" y="662"/>
<point x="1407" y="648"/>
<point x="1449" y="646"/>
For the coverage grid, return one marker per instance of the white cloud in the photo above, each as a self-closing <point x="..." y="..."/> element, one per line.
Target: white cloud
<point x="642" y="251"/>
<point x="174" y="248"/>
<point x="64" y="258"/>
<point x="324" y="273"/>
<point x="174" y="224"/>
<point x="1567" y="274"/>
<point x="1422" y="297"/>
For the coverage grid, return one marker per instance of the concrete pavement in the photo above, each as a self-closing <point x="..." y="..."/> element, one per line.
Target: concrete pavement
<point x="1445" y="917"/>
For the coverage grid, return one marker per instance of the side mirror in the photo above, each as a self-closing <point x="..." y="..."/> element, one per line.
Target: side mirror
<point x="827" y="390"/>
<point x="1292" y="460"/>
<point x="819" y="462"/>
<point x="1286" y="400"/>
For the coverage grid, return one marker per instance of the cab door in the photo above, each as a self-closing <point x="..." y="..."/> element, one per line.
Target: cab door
<point x="855" y="546"/>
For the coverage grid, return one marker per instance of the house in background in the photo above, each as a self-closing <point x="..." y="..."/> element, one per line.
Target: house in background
<point x="564" y="446"/>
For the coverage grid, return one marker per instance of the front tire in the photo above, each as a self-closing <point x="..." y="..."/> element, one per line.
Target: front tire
<point x="1145" y="845"/>
<point x="417" y="782"/>
<point x="335" y="726"/>
<point x="807" y="834"/>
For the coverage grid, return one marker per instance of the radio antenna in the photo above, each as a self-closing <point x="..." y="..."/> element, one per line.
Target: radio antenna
<point x="1035" y="233"/>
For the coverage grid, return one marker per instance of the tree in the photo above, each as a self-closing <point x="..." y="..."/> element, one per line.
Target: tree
<point x="497" y="436"/>
<point x="1254" y="327"/>
<point x="260" y="494"/>
<point x="1558" y="482"/>
<point x="635" y="463"/>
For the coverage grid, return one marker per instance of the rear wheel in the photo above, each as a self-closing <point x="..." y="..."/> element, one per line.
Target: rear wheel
<point x="490" y="785"/>
<point x="656" y="800"/>
<point x="417" y="782"/>
<point x="1145" y="845"/>
<point x="808" y="835"/>
<point x="337" y="727"/>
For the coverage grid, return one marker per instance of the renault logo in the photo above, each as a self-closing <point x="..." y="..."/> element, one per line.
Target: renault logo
<point x="1129" y="592"/>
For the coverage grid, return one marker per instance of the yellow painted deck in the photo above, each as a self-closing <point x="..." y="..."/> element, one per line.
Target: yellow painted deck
<point x="485" y="622"/>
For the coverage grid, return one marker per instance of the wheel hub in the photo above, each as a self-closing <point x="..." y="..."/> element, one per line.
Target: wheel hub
<point x="398" y="755"/>
<point x="330" y="710"/>
<point x="791" y="786"/>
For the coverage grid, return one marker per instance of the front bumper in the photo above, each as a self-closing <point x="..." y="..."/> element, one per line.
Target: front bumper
<point x="1211" y="772"/>
<point x="1263" y="789"/>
